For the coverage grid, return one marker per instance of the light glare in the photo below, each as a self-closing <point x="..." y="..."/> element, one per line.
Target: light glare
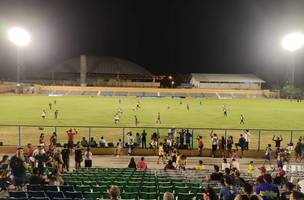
<point x="19" y="36"/>
<point x="293" y="41"/>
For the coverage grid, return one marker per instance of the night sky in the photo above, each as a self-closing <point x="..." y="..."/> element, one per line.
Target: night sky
<point x="164" y="36"/>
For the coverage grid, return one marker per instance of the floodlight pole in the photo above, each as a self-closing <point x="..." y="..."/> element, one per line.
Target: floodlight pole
<point x="18" y="65"/>
<point x="292" y="62"/>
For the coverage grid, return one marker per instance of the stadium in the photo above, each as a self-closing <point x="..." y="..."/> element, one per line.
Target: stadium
<point x="99" y="123"/>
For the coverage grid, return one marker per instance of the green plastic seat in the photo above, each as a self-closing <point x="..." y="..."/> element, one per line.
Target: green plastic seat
<point x="178" y="189"/>
<point x="185" y="196"/>
<point x="99" y="188"/>
<point x="129" y="195"/>
<point x="148" y="195"/>
<point x="83" y="188"/>
<point x="128" y="188"/>
<point x="92" y="195"/>
<point x="163" y="189"/>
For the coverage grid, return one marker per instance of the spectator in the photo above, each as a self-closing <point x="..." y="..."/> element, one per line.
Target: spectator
<point x="227" y="190"/>
<point x="58" y="159"/>
<point x="114" y="192"/>
<point x="161" y="153"/>
<point x="277" y="140"/>
<point x="247" y="190"/>
<point x="66" y="157"/>
<point x="181" y="162"/>
<point x="88" y="158"/>
<point x="225" y="164"/>
<point x="235" y="164"/>
<point x="200" y="144"/>
<point x="18" y="167"/>
<point x="238" y="180"/>
<point x="216" y="175"/>
<point x="181" y="139"/>
<point x="250" y="168"/>
<point x="142" y="164"/>
<point x="200" y="166"/>
<point x="289" y="150"/>
<point x="241" y="144"/>
<point x="4" y="163"/>
<point x="130" y="143"/>
<point x="268" y="152"/>
<point x="92" y="143"/>
<point x="119" y="146"/>
<point x="138" y="140"/>
<point x="102" y="142"/>
<point x="41" y="139"/>
<point x="229" y="144"/>
<point x="84" y="142"/>
<point x="53" y="139"/>
<point x="40" y="159"/>
<point x="55" y="178"/>
<point x="132" y="163"/>
<point x="290" y="190"/>
<point x="188" y="138"/>
<point x="262" y="171"/>
<point x="154" y="140"/>
<point x="233" y="154"/>
<point x="247" y="135"/>
<point x="36" y="178"/>
<point x="209" y="194"/>
<point x="30" y="150"/>
<point x="78" y="157"/>
<point x="267" y="190"/>
<point x="144" y="139"/>
<point x="71" y="136"/>
<point x="222" y="143"/>
<point x="168" y="196"/>
<point x="169" y="165"/>
<point x="298" y="150"/>
<point x="214" y="142"/>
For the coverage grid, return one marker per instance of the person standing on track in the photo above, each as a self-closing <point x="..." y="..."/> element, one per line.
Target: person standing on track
<point x="242" y="119"/>
<point x="135" y="120"/>
<point x="144" y="139"/>
<point x="158" y="118"/>
<point x="71" y="135"/>
<point x="214" y="141"/>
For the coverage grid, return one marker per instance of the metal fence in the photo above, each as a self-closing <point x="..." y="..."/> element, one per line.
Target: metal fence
<point x="24" y="134"/>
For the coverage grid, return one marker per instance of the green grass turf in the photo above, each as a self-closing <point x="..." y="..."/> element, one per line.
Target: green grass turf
<point x="99" y="111"/>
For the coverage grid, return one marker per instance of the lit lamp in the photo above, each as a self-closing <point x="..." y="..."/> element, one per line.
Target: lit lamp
<point x="21" y="38"/>
<point x="293" y="42"/>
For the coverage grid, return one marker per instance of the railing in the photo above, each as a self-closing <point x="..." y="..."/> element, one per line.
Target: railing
<point x="24" y="134"/>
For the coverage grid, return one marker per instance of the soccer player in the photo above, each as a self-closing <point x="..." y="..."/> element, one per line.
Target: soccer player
<point x="135" y="120"/>
<point x="119" y="101"/>
<point x="200" y="102"/>
<point x="158" y="118"/>
<point x="56" y="114"/>
<point x="55" y="102"/>
<point x="138" y="105"/>
<point x="188" y="107"/>
<point x="116" y="118"/>
<point x="50" y="105"/>
<point x="43" y="114"/>
<point x="242" y="119"/>
<point x="225" y="111"/>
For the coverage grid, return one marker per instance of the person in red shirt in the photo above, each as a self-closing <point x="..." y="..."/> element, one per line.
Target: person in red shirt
<point x="71" y="136"/>
<point x="142" y="164"/>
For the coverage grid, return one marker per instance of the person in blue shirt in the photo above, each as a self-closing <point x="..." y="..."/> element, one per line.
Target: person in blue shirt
<point x="267" y="190"/>
<point x="188" y="138"/>
<point x="227" y="191"/>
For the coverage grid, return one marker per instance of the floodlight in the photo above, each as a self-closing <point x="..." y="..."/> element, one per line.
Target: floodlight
<point x="293" y="41"/>
<point x="19" y="36"/>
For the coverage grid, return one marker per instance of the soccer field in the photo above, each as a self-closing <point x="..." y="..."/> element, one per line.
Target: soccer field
<point x="100" y="111"/>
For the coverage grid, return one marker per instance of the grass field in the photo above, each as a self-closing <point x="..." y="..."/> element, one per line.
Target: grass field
<point x="99" y="111"/>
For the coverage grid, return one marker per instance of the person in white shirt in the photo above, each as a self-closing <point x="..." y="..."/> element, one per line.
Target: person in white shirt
<point x="88" y="158"/>
<point x="225" y="164"/>
<point x="103" y="142"/>
<point x="247" y="135"/>
<point x="43" y="114"/>
<point x="214" y="141"/>
<point x="235" y="164"/>
<point x="119" y="146"/>
<point x="130" y="143"/>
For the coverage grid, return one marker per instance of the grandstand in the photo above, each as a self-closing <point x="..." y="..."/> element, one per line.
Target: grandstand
<point x="226" y="81"/>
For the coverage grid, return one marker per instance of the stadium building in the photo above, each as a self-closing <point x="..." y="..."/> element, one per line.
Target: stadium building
<point x="226" y="81"/>
<point x="101" y="71"/>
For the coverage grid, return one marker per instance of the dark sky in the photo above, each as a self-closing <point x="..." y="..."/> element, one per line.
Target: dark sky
<point x="165" y="36"/>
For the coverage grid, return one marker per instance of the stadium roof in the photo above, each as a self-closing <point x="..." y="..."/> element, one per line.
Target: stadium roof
<point x="102" y="65"/>
<point x="227" y="78"/>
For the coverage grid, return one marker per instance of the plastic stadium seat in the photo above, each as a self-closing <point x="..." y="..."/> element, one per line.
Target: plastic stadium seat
<point x="34" y="187"/>
<point x="62" y="198"/>
<point x="39" y="198"/>
<point x="131" y="188"/>
<point x="178" y="189"/>
<point x="83" y="188"/>
<point x="163" y="189"/>
<point x="92" y="195"/>
<point x="65" y="188"/>
<point x="148" y="195"/>
<point x="36" y="194"/>
<point x="53" y="194"/>
<point x="129" y="195"/>
<point x="18" y="194"/>
<point x="13" y="198"/>
<point x="185" y="196"/>
<point x="51" y="188"/>
<point x="74" y="195"/>
<point x="148" y="189"/>
<point x="99" y="188"/>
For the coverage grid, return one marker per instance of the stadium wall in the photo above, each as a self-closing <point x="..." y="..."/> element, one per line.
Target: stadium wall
<point x="237" y="86"/>
<point x="164" y="90"/>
